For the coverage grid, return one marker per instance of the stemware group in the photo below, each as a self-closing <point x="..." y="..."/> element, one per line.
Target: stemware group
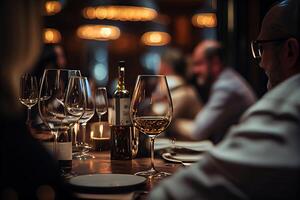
<point x="66" y="98"/>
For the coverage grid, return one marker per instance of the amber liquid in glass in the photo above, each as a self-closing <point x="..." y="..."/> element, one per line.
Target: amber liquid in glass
<point x="151" y="126"/>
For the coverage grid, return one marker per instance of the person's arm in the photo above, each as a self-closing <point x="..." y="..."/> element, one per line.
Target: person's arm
<point x="222" y="110"/>
<point x="181" y="129"/>
<point x="186" y="105"/>
<point x="258" y="160"/>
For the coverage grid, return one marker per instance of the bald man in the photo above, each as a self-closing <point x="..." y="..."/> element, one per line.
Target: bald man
<point x="230" y="94"/>
<point x="259" y="159"/>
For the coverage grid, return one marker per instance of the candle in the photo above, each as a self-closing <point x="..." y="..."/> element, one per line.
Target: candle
<point x="100" y="136"/>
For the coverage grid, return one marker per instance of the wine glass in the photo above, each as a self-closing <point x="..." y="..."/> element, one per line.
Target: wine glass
<point x="28" y="93"/>
<point x="82" y="146"/>
<point x="101" y="102"/>
<point x="75" y="100"/>
<point x="56" y="88"/>
<point x="151" y="112"/>
<point x="75" y="104"/>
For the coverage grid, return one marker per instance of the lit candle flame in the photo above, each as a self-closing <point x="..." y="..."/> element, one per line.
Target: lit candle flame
<point x="76" y="129"/>
<point x="101" y="130"/>
<point x="92" y="134"/>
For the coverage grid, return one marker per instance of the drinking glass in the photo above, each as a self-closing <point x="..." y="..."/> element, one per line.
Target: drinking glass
<point x="101" y="102"/>
<point x="80" y="142"/>
<point x="75" y="100"/>
<point x="151" y="112"/>
<point x="56" y="88"/>
<point x="28" y="93"/>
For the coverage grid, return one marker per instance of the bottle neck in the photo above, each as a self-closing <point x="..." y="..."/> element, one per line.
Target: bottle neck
<point x="121" y="81"/>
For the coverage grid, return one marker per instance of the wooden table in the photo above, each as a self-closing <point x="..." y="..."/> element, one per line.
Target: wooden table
<point x="103" y="164"/>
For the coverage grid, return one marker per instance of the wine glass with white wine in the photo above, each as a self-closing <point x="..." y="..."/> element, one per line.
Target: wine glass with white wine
<point x="28" y="93"/>
<point x="151" y="112"/>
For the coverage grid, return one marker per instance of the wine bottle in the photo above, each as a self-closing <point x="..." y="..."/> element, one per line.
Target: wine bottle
<point x="122" y="144"/>
<point x="64" y="149"/>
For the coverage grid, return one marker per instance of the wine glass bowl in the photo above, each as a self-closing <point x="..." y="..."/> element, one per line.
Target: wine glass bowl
<point x="28" y="92"/>
<point x="101" y="101"/>
<point x="151" y="125"/>
<point x="151" y="112"/>
<point x="75" y="100"/>
<point x="52" y="96"/>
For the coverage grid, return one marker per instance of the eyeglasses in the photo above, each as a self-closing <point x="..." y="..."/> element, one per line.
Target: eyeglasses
<point x="257" y="46"/>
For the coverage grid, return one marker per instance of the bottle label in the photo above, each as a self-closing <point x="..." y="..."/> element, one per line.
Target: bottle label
<point x="121" y="111"/>
<point x="49" y="147"/>
<point x="64" y="150"/>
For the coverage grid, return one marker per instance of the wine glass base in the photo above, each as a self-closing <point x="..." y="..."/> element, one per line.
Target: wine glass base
<point x="67" y="175"/>
<point x="83" y="156"/>
<point x="153" y="173"/>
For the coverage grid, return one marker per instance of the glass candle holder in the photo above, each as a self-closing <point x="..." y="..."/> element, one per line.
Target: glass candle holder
<point x="100" y="136"/>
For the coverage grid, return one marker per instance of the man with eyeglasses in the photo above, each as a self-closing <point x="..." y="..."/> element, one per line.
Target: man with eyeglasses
<point x="260" y="157"/>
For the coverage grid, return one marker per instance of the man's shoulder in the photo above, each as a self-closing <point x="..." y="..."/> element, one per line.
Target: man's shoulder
<point x="286" y="91"/>
<point x="229" y="80"/>
<point x="234" y="86"/>
<point x="282" y="99"/>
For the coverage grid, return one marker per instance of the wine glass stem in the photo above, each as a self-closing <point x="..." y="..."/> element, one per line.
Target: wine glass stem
<point x="75" y="131"/>
<point x="83" y="139"/>
<point x="28" y="115"/>
<point x="83" y="133"/>
<point x="100" y="118"/>
<point x="152" y="152"/>
<point x="55" y="134"/>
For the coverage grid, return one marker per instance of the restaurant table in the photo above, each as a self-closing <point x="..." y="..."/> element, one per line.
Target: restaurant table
<point x="104" y="165"/>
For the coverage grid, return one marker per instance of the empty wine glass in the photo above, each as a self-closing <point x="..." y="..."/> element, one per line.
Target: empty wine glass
<point x="101" y="102"/>
<point x="28" y="93"/>
<point x="75" y="100"/>
<point x="75" y="103"/>
<point x="58" y="103"/>
<point x="80" y="141"/>
<point x="151" y="112"/>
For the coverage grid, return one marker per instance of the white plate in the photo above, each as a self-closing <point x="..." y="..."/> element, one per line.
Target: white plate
<point x="107" y="182"/>
<point x="182" y="157"/>
<point x="163" y="143"/>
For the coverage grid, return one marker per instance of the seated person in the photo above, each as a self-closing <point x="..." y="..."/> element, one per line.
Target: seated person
<point x="27" y="171"/>
<point x="230" y="95"/>
<point x="259" y="159"/>
<point x="186" y="103"/>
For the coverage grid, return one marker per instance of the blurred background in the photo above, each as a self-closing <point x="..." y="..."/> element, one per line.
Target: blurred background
<point x="93" y="35"/>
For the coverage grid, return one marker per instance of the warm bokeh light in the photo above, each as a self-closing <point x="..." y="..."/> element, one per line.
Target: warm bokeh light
<point x="156" y="38"/>
<point x="121" y="13"/>
<point x="51" y="36"/>
<point x="205" y="20"/>
<point x="52" y="7"/>
<point x="98" y="32"/>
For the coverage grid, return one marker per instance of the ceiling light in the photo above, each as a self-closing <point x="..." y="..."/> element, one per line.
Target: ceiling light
<point x="156" y="38"/>
<point x="121" y="13"/>
<point x="98" y="32"/>
<point x="205" y="20"/>
<point x="51" y="36"/>
<point x="52" y="7"/>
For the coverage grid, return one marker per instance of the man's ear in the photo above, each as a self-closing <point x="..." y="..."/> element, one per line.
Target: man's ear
<point x="291" y="53"/>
